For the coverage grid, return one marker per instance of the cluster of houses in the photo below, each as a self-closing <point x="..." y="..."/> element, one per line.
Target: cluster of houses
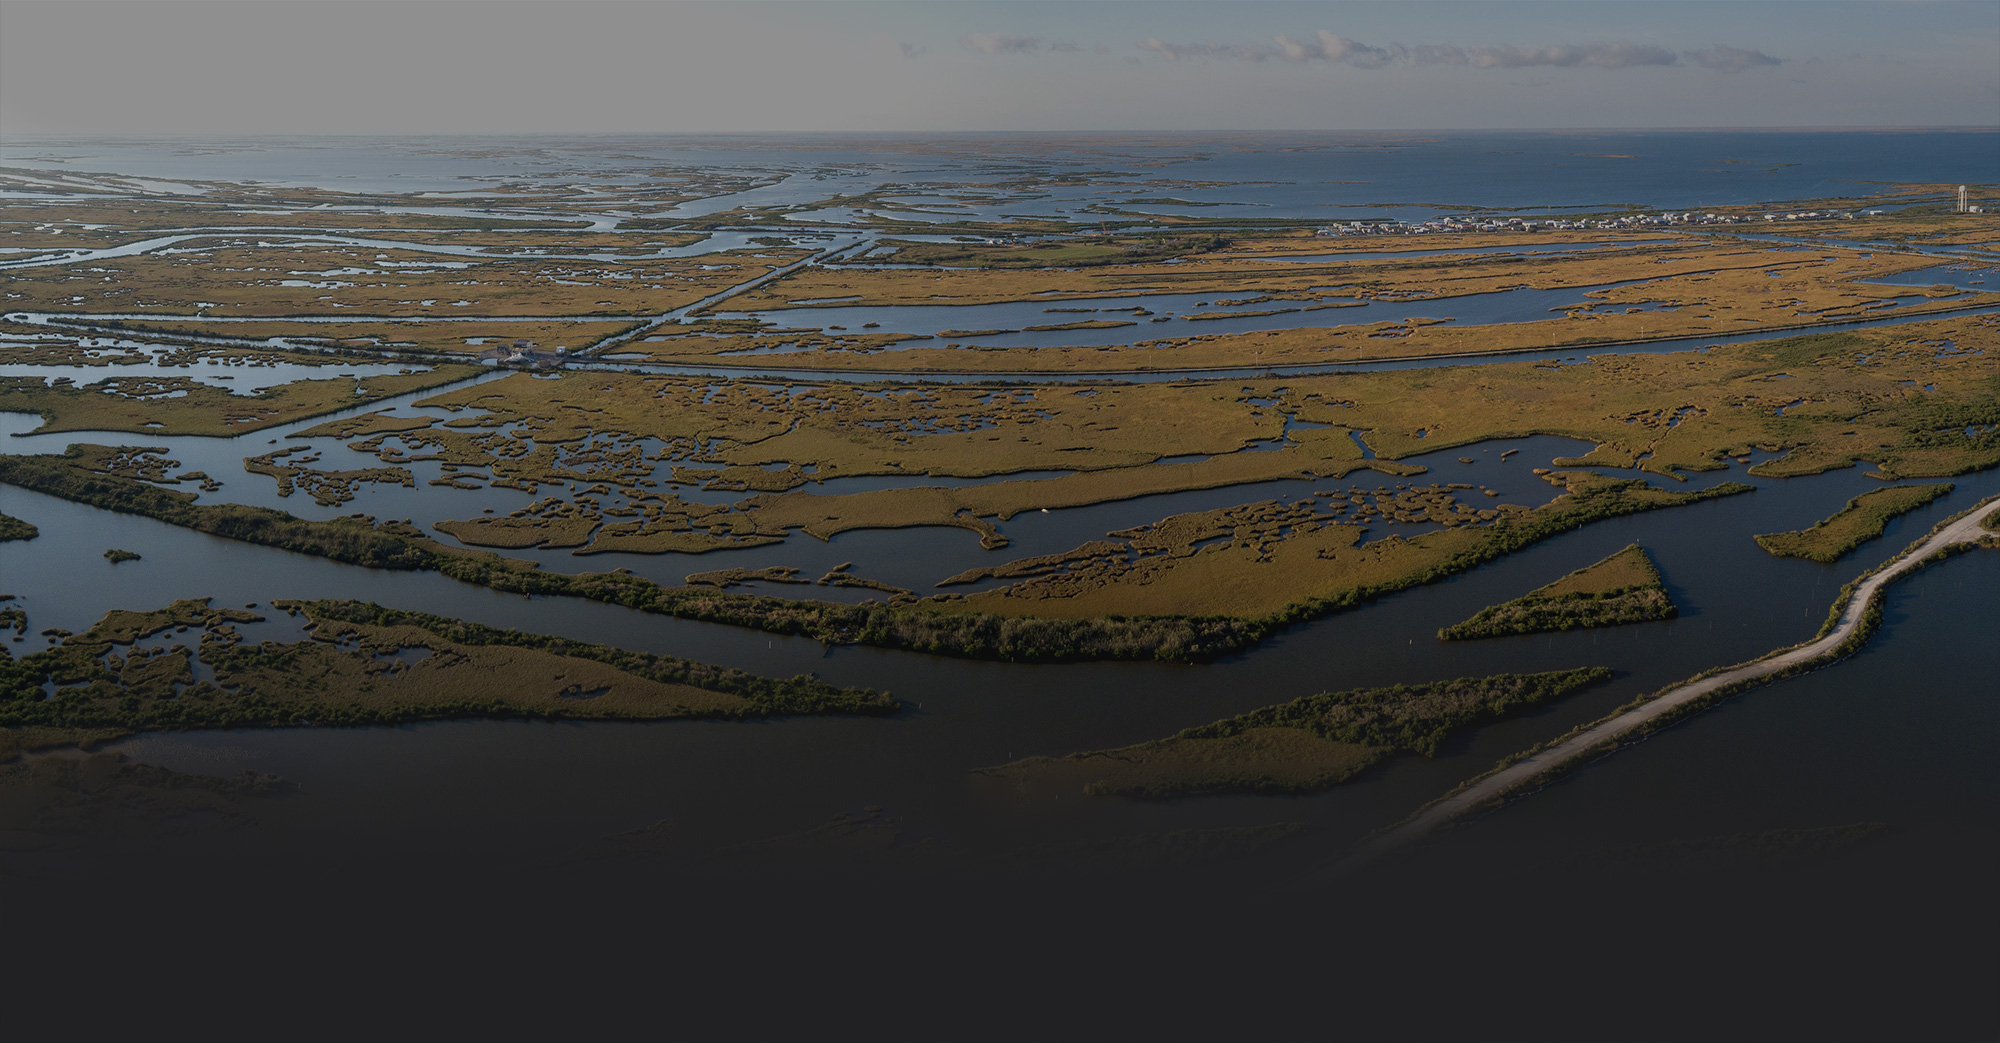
<point x="1521" y="224"/>
<point x="523" y="354"/>
<point x="1818" y="215"/>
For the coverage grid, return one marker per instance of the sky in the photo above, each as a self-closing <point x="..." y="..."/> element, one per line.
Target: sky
<point x="466" y="66"/>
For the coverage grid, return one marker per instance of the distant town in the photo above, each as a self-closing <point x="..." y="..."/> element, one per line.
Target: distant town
<point x="1521" y="224"/>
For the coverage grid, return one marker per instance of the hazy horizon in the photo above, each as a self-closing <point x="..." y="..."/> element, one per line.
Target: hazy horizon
<point x="1963" y="128"/>
<point x="843" y="66"/>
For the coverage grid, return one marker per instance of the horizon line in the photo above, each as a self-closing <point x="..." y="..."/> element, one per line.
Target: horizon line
<point x="1210" y="131"/>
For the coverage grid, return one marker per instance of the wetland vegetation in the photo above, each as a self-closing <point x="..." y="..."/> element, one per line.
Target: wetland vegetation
<point x="12" y="528"/>
<point x="1302" y="746"/>
<point x="752" y="389"/>
<point x="1864" y="518"/>
<point x="1109" y="610"/>
<point x="362" y="664"/>
<point x="1623" y="588"/>
<point x="180" y="405"/>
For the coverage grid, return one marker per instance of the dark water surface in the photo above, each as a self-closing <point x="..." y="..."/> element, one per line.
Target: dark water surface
<point x="463" y="785"/>
<point x="1636" y="866"/>
<point x="1812" y="859"/>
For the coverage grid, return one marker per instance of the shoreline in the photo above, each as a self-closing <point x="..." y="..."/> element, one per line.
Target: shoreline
<point x="1854" y="619"/>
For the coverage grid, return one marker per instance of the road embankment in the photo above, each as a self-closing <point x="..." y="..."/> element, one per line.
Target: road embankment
<point x="1854" y="617"/>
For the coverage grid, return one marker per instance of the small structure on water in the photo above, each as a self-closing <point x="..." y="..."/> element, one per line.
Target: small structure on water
<point x="523" y="354"/>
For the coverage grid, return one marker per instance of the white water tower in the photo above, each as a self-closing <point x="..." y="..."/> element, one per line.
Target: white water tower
<point x="1961" y="199"/>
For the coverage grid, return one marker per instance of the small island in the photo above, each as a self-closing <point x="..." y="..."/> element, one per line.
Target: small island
<point x="1623" y="588"/>
<point x="12" y="528"/>
<point x="1303" y="746"/>
<point x="1864" y="518"/>
<point x="362" y="664"/>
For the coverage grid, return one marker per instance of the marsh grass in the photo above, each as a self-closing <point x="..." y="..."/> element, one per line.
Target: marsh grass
<point x="1865" y="517"/>
<point x="416" y="335"/>
<point x="1623" y="588"/>
<point x="221" y="278"/>
<point x="175" y="405"/>
<point x="12" y="528"/>
<point x="354" y="670"/>
<point x="1302" y="746"/>
<point x="938" y="625"/>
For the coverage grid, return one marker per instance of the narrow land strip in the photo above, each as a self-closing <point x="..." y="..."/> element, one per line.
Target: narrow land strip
<point x="1499" y="785"/>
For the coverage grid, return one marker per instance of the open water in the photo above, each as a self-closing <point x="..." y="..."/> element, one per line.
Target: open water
<point x="812" y="855"/>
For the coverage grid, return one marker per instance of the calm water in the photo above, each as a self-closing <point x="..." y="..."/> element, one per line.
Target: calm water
<point x="1306" y="176"/>
<point x="591" y="780"/>
<point x="1600" y="880"/>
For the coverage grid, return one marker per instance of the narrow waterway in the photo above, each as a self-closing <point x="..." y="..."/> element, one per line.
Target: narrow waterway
<point x="593" y="779"/>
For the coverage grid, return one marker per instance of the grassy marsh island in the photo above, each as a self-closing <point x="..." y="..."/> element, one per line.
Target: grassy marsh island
<point x="1855" y="614"/>
<point x="1864" y="518"/>
<point x="12" y="528"/>
<point x="1291" y="564"/>
<point x="1624" y="293"/>
<point x="1623" y="588"/>
<point x="1186" y="586"/>
<point x="764" y="378"/>
<point x="1821" y="401"/>
<point x="364" y="664"/>
<point x="226" y="278"/>
<point x="966" y="541"/>
<point x="414" y="336"/>
<point x="1303" y="746"/>
<point x="178" y="405"/>
<point x="1159" y="602"/>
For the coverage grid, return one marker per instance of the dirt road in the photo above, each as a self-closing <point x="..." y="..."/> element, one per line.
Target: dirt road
<point x="1498" y="785"/>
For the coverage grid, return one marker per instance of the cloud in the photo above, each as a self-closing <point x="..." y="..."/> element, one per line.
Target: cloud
<point x="1336" y="48"/>
<point x="1183" y="51"/>
<point x="1730" y="59"/>
<point x="1323" y="46"/>
<point x="1331" y="47"/>
<point x="1596" y="55"/>
<point x="1001" y="43"/>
